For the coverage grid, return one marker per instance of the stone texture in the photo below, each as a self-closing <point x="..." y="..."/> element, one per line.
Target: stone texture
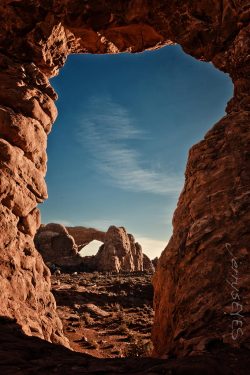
<point x="27" y="111"/>
<point x="119" y="251"/>
<point x="193" y="295"/>
<point x="25" y="283"/>
<point x="56" y="245"/>
<point x="192" y="298"/>
<point x="137" y="254"/>
<point x="20" y="354"/>
<point x="147" y="264"/>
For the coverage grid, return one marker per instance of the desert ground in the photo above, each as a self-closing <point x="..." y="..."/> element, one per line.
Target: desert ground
<point x="107" y="315"/>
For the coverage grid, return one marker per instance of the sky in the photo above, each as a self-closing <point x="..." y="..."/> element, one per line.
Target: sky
<point x="118" y="149"/>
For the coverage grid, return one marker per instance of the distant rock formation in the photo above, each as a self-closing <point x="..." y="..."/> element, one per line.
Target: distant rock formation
<point x="83" y="236"/>
<point x="147" y="264"/>
<point x="155" y="262"/>
<point x="56" y="245"/>
<point x="119" y="252"/>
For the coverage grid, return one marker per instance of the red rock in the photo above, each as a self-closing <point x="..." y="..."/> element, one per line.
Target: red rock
<point x="191" y="294"/>
<point x="56" y="245"/>
<point x="119" y="251"/>
<point x="147" y="264"/>
<point x="31" y="355"/>
<point x="83" y="236"/>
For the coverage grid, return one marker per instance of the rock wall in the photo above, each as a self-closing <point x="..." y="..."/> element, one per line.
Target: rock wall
<point x="27" y="111"/>
<point x="193" y="299"/>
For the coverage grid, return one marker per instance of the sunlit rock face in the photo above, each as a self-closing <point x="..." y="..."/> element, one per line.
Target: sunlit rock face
<point x="56" y="245"/>
<point x="193" y="299"/>
<point x="27" y="111"/>
<point x="59" y="246"/>
<point x="119" y="252"/>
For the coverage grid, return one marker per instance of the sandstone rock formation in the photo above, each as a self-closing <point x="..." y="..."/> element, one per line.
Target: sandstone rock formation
<point x="83" y="236"/>
<point x="35" y="356"/>
<point x="147" y="264"/>
<point x="155" y="262"/>
<point x="56" y="245"/>
<point x="119" y="251"/>
<point x="193" y="300"/>
<point x="27" y="111"/>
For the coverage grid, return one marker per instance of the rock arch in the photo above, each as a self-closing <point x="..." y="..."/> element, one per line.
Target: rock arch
<point x="191" y="292"/>
<point x="83" y="236"/>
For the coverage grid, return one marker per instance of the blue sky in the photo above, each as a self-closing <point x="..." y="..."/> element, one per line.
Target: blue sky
<point x="118" y="150"/>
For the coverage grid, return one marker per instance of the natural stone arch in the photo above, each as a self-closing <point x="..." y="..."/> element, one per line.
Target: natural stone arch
<point x="83" y="236"/>
<point x="191" y="292"/>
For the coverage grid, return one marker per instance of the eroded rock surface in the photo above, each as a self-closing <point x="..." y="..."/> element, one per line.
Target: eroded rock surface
<point x="147" y="264"/>
<point x="155" y="261"/>
<point x="118" y="253"/>
<point x="27" y="111"/>
<point x="193" y="301"/>
<point x="20" y="354"/>
<point x="57" y="246"/>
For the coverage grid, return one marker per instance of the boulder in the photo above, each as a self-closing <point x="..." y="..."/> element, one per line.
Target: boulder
<point x="56" y="245"/>
<point x="119" y="253"/>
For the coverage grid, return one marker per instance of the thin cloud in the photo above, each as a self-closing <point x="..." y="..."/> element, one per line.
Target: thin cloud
<point x="107" y="130"/>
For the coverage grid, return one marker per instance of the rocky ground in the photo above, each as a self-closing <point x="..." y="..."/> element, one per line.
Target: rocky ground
<point x="29" y="355"/>
<point x="107" y="319"/>
<point x="106" y="315"/>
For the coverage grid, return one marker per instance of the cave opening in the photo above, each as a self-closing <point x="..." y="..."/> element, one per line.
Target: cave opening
<point x="116" y="156"/>
<point x="193" y="330"/>
<point x="126" y="123"/>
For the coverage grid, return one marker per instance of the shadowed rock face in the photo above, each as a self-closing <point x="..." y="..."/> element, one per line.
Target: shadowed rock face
<point x="193" y="300"/>
<point x="147" y="264"/>
<point x="35" y="356"/>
